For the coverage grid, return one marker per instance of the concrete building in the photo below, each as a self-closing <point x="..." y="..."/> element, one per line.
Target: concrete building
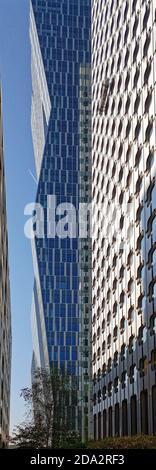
<point x="124" y="216"/>
<point x="5" y="311"/>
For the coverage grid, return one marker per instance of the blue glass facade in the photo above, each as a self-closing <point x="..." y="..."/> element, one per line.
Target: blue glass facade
<point x="61" y="57"/>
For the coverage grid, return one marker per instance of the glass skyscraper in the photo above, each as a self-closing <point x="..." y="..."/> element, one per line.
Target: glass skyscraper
<point x="61" y="127"/>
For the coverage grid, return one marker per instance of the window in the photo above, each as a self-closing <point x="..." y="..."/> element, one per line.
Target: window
<point x="146" y="16"/>
<point x="128" y="128"/>
<point x="127" y="80"/>
<point x="124" y="418"/>
<point x="153" y="324"/>
<point x="110" y="389"/>
<point x="117" y="419"/>
<point x="128" y="102"/>
<point x="122" y="324"/>
<point x="138" y="156"/>
<point x="109" y="364"/>
<point x="130" y="315"/>
<point x="149" y="130"/>
<point x="99" y="425"/>
<point x="123" y="352"/>
<point x="115" y="333"/>
<point x="115" y="358"/>
<point x="146" y="45"/>
<point x="98" y="353"/>
<point x="150" y="161"/>
<point x="136" y="50"/>
<point x="103" y="347"/>
<point x="136" y="76"/>
<point x="154" y="408"/>
<point x="104" y="423"/>
<point x="153" y="359"/>
<point x="133" y="415"/>
<point x="136" y="22"/>
<point x="147" y="72"/>
<point x="103" y="325"/>
<point x="99" y="396"/>
<point x="143" y="364"/>
<point x="132" y="373"/>
<point x="104" y="368"/>
<point x="144" y="411"/>
<point x="104" y="393"/>
<point x="137" y="129"/>
<point x="123" y="379"/>
<point x="110" y="421"/>
<point x="131" y="344"/>
<point x="116" y="382"/>
<point x="136" y="104"/>
<point x="98" y="332"/>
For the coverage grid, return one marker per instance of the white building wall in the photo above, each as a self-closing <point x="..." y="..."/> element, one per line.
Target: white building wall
<point x="124" y="214"/>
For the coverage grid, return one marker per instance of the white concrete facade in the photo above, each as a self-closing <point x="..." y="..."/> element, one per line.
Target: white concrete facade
<point x="124" y="216"/>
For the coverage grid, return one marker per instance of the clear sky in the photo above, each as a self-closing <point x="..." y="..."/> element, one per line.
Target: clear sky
<point x="16" y="87"/>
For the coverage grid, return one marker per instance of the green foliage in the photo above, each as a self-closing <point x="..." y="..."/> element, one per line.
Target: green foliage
<point x="47" y="425"/>
<point x="128" y="442"/>
<point x="72" y="441"/>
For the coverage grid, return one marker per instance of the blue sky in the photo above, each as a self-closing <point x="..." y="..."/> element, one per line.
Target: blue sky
<point x="16" y="87"/>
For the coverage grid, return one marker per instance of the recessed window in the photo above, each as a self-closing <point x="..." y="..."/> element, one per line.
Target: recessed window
<point x="103" y="325"/>
<point x="120" y="174"/>
<point x="130" y="258"/>
<point x="126" y="34"/>
<point x="131" y="344"/>
<point x="136" y="50"/>
<point x="136" y="104"/>
<point x="109" y="340"/>
<point x="127" y="80"/>
<point x="123" y="352"/>
<point x="115" y="333"/>
<point x="122" y="298"/>
<point x="128" y="128"/>
<point x="136" y="77"/>
<point x="121" y="197"/>
<point x="146" y="45"/>
<point x="128" y="153"/>
<point x="137" y="129"/>
<point x="116" y="355"/>
<point x="128" y="102"/>
<point x="126" y="10"/>
<point x="130" y="315"/>
<point x="104" y="368"/>
<point x="138" y="156"/>
<point x="103" y="347"/>
<point x="136" y="22"/>
<point x="115" y="308"/>
<point x="143" y="365"/>
<point x="147" y="72"/>
<point x="109" y="364"/>
<point x="149" y="130"/>
<point x="150" y="161"/>
<point x="146" y="16"/>
<point x="116" y="382"/>
<point x="123" y="379"/>
<point x="126" y="57"/>
<point x="148" y="102"/>
<point x="153" y="359"/>
<point x="119" y="105"/>
<point x="122" y="324"/>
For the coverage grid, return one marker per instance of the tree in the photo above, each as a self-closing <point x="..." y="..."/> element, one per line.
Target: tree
<point x="47" y="422"/>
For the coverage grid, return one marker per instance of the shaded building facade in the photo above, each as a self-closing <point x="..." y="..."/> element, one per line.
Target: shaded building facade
<point x="61" y="128"/>
<point x="5" y="309"/>
<point x="124" y="217"/>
